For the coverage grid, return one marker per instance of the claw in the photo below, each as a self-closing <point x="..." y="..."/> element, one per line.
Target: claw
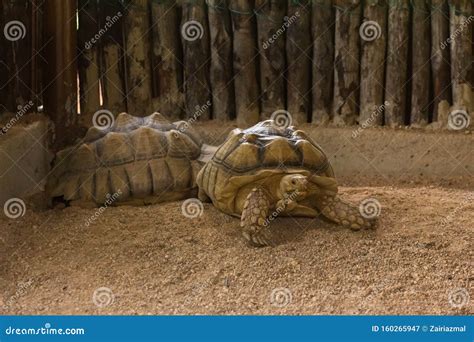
<point x="257" y="239"/>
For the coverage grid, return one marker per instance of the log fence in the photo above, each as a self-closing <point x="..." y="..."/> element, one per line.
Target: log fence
<point x="343" y="62"/>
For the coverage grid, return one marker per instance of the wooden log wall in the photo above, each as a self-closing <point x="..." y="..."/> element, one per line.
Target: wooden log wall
<point x="338" y="62"/>
<point x="17" y="80"/>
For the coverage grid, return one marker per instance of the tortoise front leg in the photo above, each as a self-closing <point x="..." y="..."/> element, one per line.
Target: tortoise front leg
<point x="254" y="218"/>
<point x="342" y="212"/>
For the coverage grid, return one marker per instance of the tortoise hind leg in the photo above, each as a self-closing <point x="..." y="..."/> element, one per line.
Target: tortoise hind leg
<point x="254" y="218"/>
<point x="343" y="213"/>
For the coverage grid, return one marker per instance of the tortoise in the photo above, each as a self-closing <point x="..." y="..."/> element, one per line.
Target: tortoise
<point x="135" y="161"/>
<point x="267" y="171"/>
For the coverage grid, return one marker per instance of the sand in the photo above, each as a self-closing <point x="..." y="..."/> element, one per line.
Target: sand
<point x="154" y="260"/>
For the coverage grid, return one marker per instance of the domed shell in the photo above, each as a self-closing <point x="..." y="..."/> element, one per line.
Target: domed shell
<point x="251" y="156"/>
<point x="135" y="158"/>
<point x="268" y="146"/>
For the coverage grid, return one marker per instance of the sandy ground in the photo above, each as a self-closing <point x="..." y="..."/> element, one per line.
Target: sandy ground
<point x="154" y="260"/>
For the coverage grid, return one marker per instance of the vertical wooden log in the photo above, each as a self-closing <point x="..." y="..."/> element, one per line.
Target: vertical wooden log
<point x="222" y="84"/>
<point x="461" y="51"/>
<point x="60" y="74"/>
<point x="167" y="67"/>
<point x="195" y="40"/>
<point x="298" y="48"/>
<point x="472" y="47"/>
<point x="36" y="45"/>
<point x="17" y="42"/>
<point x="373" y="35"/>
<point x="137" y="53"/>
<point x="5" y="97"/>
<point x="271" y="44"/>
<point x="397" y="63"/>
<point x="323" y="60"/>
<point x="112" y="69"/>
<point x="346" y="63"/>
<point x="440" y="55"/>
<point x="420" y="73"/>
<point x="245" y="59"/>
<point x="88" y="60"/>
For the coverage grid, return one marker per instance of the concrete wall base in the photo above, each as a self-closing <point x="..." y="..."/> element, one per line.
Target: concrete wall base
<point x="25" y="162"/>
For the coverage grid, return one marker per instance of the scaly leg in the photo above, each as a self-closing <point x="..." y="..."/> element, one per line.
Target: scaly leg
<point x="343" y="213"/>
<point x="254" y="218"/>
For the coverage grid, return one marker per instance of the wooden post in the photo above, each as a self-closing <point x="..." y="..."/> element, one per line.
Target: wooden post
<point x="271" y="44"/>
<point x="298" y="54"/>
<point x="167" y="65"/>
<point x="88" y="60"/>
<point x="373" y="37"/>
<point x="440" y="55"/>
<point x="397" y="63"/>
<point x="245" y="59"/>
<point x="323" y="60"/>
<point x="60" y="73"/>
<point x="137" y="51"/>
<point x="112" y="68"/>
<point x="37" y="10"/>
<point x="17" y="42"/>
<point x="5" y="96"/>
<point x="461" y="51"/>
<point x="195" y="39"/>
<point x="420" y="73"/>
<point x="346" y="64"/>
<point x="222" y="84"/>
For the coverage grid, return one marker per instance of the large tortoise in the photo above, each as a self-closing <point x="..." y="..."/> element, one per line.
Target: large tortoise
<point x="135" y="161"/>
<point x="268" y="170"/>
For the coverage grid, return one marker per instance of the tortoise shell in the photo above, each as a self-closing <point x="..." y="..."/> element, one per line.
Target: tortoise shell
<point x="248" y="156"/>
<point x="137" y="159"/>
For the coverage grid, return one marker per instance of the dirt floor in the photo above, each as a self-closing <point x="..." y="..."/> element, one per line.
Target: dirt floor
<point x="154" y="260"/>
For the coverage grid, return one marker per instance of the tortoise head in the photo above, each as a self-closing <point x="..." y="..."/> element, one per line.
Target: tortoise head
<point x="294" y="186"/>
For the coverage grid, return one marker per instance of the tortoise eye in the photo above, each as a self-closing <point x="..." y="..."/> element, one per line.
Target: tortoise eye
<point x="293" y="182"/>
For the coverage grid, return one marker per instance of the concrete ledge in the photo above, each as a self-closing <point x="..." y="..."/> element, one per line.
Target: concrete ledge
<point x="385" y="155"/>
<point x="24" y="160"/>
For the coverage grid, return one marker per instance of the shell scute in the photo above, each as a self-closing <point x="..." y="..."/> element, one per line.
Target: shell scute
<point x="115" y="149"/>
<point x="243" y="158"/>
<point x="280" y="151"/>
